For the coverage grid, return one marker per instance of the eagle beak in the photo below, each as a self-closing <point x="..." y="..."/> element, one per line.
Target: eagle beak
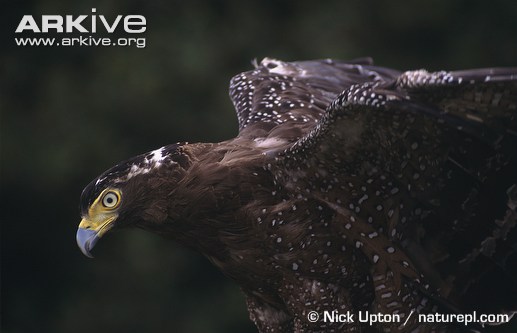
<point x="86" y="239"/>
<point x="90" y="232"/>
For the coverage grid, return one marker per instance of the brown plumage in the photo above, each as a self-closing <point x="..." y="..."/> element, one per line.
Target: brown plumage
<point x="350" y="187"/>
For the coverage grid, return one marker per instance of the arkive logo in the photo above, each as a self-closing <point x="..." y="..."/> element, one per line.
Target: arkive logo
<point x="80" y="25"/>
<point x="132" y="24"/>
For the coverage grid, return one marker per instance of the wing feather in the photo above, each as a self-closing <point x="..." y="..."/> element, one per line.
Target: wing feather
<point x="429" y="160"/>
<point x="278" y="92"/>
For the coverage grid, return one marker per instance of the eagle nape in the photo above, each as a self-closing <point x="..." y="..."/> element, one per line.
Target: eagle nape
<point x="350" y="189"/>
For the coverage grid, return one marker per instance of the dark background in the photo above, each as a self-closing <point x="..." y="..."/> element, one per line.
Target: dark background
<point x="69" y="113"/>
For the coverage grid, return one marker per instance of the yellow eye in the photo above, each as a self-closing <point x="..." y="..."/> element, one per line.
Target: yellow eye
<point x="111" y="199"/>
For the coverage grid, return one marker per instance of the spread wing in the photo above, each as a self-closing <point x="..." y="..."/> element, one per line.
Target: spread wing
<point x="278" y="92"/>
<point x="428" y="160"/>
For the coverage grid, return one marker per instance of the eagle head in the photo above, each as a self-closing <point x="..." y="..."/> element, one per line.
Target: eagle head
<point x="132" y="193"/>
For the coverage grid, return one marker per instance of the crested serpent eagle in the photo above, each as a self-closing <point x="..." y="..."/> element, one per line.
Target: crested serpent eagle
<point x="350" y="189"/>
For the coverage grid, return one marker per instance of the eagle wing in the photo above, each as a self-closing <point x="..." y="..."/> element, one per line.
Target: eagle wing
<point x="429" y="162"/>
<point x="291" y="93"/>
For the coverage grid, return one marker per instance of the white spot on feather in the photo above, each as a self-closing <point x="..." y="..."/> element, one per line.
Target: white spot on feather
<point x="158" y="156"/>
<point x="269" y="142"/>
<point x="156" y="160"/>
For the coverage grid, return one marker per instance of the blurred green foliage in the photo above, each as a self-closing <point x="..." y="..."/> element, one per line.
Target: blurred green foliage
<point x="69" y="113"/>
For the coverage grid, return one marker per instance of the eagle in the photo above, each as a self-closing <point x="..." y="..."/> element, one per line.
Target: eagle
<point x="351" y="191"/>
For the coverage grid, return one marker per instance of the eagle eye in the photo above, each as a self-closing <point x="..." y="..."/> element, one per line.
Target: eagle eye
<point x="111" y="199"/>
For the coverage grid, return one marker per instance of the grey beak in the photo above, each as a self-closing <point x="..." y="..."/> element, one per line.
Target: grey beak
<point x="86" y="239"/>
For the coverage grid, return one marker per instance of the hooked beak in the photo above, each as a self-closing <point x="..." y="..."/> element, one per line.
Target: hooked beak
<point x="88" y="234"/>
<point x="86" y="239"/>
